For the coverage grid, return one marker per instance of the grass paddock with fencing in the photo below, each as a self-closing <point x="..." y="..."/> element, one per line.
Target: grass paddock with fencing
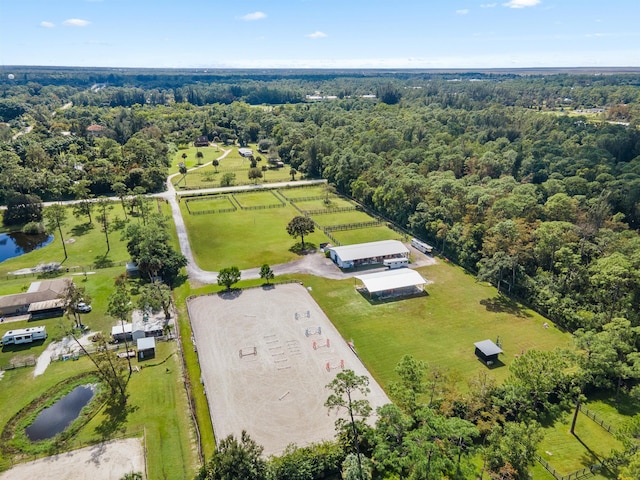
<point x="363" y="235"/>
<point x="257" y="199"/>
<point x="319" y="204"/>
<point x="343" y="218"/>
<point x="567" y="454"/>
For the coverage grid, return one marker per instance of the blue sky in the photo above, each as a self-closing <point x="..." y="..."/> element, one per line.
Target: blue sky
<point x="320" y="33"/>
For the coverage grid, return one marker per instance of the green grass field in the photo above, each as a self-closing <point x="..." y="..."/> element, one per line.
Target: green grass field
<point x="439" y="328"/>
<point x="363" y="235"/>
<point x="210" y="202"/>
<point x="569" y="453"/>
<point x="319" y="204"/>
<point x="342" y="218"/>
<point x="255" y="199"/>
<point x="245" y="238"/>
<point x="209" y="154"/>
<point x="209" y="176"/>
<point x="295" y="193"/>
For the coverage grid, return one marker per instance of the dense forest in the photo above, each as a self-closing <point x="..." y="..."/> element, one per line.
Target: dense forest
<point x="531" y="182"/>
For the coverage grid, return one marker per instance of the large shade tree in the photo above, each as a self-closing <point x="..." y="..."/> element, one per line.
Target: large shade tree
<point x="300" y="226"/>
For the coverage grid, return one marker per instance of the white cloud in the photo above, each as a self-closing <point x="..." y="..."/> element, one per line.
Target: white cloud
<point x="462" y="11"/>
<point x="488" y="5"/>
<point x="253" y="16"/>
<point x="317" y="34"/>
<point x="76" y="22"/>
<point x="521" y="3"/>
<point x="47" y="25"/>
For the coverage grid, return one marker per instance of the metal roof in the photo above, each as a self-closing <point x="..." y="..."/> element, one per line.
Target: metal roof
<point x="370" y="250"/>
<point x="146" y="343"/>
<point x="487" y="347"/>
<point x="47" y="305"/>
<point x="119" y="330"/>
<point x="391" y="279"/>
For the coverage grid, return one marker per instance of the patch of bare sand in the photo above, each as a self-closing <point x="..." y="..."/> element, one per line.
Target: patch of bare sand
<point x="104" y="461"/>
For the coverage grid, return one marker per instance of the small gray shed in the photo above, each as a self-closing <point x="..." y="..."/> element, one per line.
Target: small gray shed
<point x="146" y="348"/>
<point x="487" y="351"/>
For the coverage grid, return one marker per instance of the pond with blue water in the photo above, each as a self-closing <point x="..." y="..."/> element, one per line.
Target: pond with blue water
<point x="56" y="418"/>
<point x="15" y="244"/>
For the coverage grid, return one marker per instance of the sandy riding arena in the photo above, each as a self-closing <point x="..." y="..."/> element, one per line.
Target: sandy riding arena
<point x="104" y="461"/>
<point x="266" y="356"/>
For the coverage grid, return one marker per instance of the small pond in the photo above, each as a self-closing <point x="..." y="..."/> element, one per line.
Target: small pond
<point x="54" y="419"/>
<point x="15" y="244"/>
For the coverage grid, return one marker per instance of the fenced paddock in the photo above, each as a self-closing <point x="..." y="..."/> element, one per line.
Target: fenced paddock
<point x="260" y="370"/>
<point x="210" y="204"/>
<point x="305" y="192"/>
<point x="319" y="203"/>
<point x="363" y="235"/>
<point x="257" y="200"/>
<point x="343" y="218"/>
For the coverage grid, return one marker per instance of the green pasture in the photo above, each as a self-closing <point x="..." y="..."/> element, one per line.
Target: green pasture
<point x="209" y="154"/>
<point x="256" y="199"/>
<point x="319" y="204"/>
<point x="342" y="218"/>
<point x="208" y="176"/>
<point x="244" y="238"/>
<point x="369" y="234"/>
<point x="295" y="193"/>
<point x="569" y="453"/>
<point x="210" y="202"/>
<point x="439" y="327"/>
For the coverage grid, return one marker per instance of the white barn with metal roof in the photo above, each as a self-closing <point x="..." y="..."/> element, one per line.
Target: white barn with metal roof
<point x="402" y="281"/>
<point x="349" y="256"/>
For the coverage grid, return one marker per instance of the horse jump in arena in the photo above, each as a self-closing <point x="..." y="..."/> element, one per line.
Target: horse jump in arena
<point x="301" y="315"/>
<point x="334" y="366"/>
<point x="245" y="352"/>
<point x="313" y="331"/>
<point x="317" y="345"/>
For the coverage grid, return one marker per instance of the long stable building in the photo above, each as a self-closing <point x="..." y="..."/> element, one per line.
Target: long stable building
<point x="350" y="256"/>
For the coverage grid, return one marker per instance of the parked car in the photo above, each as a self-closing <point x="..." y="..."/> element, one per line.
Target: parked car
<point x="83" y="307"/>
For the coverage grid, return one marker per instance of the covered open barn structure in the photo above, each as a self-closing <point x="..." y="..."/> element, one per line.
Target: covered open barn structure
<point x="392" y="283"/>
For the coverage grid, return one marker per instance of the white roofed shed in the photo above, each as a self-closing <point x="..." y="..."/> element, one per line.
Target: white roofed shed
<point x="393" y="282"/>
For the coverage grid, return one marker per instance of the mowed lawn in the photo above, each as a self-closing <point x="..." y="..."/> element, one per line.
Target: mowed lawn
<point x="86" y="244"/>
<point x="319" y="204"/>
<point x="439" y="328"/>
<point x="369" y="234"/>
<point x="209" y="176"/>
<point x="245" y="238"/>
<point x="209" y="154"/>
<point x="569" y="453"/>
<point x="258" y="199"/>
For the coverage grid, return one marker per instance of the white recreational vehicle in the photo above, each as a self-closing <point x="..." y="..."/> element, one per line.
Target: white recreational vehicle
<point x="24" y="335"/>
<point x="421" y="246"/>
<point x="398" y="262"/>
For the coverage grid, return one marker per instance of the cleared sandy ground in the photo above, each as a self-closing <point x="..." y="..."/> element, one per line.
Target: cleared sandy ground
<point x="104" y="461"/>
<point x="277" y="391"/>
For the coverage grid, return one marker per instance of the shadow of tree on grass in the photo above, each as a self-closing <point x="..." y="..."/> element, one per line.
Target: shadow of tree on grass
<point x="305" y="249"/>
<point x="115" y="418"/>
<point x="503" y="304"/>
